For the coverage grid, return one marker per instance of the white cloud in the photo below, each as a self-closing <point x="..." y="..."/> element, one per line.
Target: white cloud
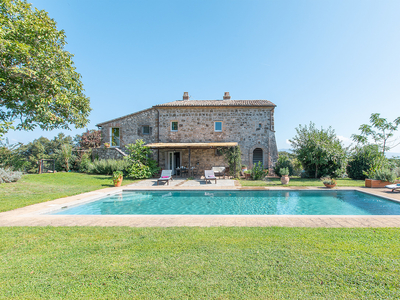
<point x="346" y="141"/>
<point x="343" y="138"/>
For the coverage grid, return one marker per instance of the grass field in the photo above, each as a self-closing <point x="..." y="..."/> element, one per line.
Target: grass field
<point x="301" y="182"/>
<point x="36" y="188"/>
<point x="199" y="263"/>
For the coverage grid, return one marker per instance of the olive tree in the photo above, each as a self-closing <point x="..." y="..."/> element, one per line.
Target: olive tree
<point x="39" y="85"/>
<point x="320" y="151"/>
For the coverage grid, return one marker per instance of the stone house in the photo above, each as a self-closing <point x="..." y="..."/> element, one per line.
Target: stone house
<point x="191" y="132"/>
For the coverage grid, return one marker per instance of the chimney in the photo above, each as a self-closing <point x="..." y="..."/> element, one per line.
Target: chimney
<point x="185" y="96"/>
<point x="227" y="96"/>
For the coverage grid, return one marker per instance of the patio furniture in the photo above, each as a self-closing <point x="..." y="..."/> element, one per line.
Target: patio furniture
<point x="209" y="175"/>
<point x="393" y="187"/>
<point x="165" y="176"/>
<point x="184" y="171"/>
<point x="219" y="171"/>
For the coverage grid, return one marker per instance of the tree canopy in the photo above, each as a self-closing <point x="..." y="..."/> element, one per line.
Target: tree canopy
<point x="380" y="131"/>
<point x="39" y="85"/>
<point x="320" y="151"/>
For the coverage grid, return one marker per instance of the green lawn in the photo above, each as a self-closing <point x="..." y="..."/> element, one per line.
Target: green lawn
<point x="300" y="182"/>
<point x="36" y="188"/>
<point x="199" y="263"/>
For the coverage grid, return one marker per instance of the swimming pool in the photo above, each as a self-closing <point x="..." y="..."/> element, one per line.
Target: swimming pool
<point x="236" y="203"/>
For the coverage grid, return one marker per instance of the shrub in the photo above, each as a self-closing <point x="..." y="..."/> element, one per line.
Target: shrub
<point x="385" y="175"/>
<point x="7" y="176"/>
<point x="141" y="165"/>
<point x="82" y="163"/>
<point x="283" y="162"/>
<point x="258" y="171"/>
<point x="284" y="171"/>
<point x="364" y="159"/>
<point x="107" y="166"/>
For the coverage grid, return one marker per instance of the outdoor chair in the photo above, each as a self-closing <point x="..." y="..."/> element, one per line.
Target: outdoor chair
<point x="209" y="175"/>
<point x="393" y="187"/>
<point x="219" y="171"/>
<point x="165" y="176"/>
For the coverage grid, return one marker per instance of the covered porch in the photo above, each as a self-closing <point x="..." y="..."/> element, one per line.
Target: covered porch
<point x="190" y="159"/>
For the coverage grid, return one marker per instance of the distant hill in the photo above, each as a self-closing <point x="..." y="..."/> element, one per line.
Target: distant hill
<point x="287" y="150"/>
<point x="392" y="154"/>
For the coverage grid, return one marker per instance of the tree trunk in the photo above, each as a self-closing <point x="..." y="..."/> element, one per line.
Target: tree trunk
<point x="316" y="171"/>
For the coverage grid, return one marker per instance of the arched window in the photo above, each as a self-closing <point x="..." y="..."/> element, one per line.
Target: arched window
<point x="257" y="156"/>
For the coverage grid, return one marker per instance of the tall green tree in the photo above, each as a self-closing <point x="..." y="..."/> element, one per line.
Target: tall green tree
<point x="380" y="131"/>
<point x="39" y="85"/>
<point x="320" y="151"/>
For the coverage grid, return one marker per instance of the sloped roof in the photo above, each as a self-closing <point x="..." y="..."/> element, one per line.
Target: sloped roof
<point x="205" y="103"/>
<point x="123" y="117"/>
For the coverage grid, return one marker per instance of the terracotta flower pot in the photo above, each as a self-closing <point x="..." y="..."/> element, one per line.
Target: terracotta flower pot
<point x="285" y="179"/>
<point x="118" y="182"/>
<point x="329" y="186"/>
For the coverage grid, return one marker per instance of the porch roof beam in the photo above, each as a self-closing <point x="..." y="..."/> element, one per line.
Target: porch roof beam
<point x="190" y="145"/>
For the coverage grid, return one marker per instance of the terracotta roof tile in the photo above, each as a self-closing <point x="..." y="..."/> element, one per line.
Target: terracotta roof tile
<point x="181" y="103"/>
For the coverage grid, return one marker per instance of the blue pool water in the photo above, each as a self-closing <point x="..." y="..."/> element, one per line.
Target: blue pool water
<point x="237" y="203"/>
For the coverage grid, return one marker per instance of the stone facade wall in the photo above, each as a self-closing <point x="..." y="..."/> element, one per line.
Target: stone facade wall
<point x="106" y="153"/>
<point x="130" y="128"/>
<point x="251" y="127"/>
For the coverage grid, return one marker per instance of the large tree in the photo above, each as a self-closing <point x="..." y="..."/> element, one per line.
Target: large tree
<point x="39" y="85"/>
<point x="380" y="131"/>
<point x="320" y="151"/>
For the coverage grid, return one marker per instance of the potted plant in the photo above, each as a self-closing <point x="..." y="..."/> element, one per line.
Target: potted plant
<point x="381" y="178"/>
<point x="244" y="168"/>
<point x="107" y="145"/>
<point x="117" y="178"/>
<point x="329" y="182"/>
<point x="284" y="175"/>
<point x="247" y="174"/>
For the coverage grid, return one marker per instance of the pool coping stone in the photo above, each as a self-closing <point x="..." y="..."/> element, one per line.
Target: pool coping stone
<point x="35" y="215"/>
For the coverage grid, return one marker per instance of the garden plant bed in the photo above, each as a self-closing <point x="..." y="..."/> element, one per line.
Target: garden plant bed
<point x="296" y="181"/>
<point x="372" y="183"/>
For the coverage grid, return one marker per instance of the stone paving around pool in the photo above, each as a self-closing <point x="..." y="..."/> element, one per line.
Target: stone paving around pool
<point x="33" y="215"/>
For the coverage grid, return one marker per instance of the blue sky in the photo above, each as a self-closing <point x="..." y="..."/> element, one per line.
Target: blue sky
<point x="330" y="62"/>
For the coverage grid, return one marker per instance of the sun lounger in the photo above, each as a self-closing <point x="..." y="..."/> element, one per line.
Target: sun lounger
<point x="218" y="171"/>
<point x="165" y="176"/>
<point x="393" y="187"/>
<point x="209" y="175"/>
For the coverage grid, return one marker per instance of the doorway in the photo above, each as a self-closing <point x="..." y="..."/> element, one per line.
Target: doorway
<point x="258" y="156"/>
<point x="173" y="161"/>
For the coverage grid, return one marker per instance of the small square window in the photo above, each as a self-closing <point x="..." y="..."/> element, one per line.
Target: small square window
<point x="174" y="126"/>
<point x="218" y="126"/>
<point x="146" y="129"/>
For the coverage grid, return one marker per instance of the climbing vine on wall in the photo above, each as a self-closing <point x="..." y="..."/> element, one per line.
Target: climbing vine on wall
<point x="233" y="156"/>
